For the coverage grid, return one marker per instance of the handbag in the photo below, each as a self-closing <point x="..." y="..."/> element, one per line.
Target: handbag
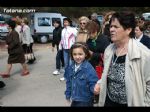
<point x="29" y="55"/>
<point x="99" y="68"/>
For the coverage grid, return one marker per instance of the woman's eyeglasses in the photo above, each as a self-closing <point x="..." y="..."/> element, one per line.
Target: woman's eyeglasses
<point x="82" y="23"/>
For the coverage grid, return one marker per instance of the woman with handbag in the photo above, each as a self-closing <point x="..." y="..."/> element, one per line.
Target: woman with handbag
<point x="15" y="51"/>
<point x="27" y="41"/>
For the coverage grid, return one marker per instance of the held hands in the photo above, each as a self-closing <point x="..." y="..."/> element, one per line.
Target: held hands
<point x="6" y="46"/>
<point x="52" y="49"/>
<point x="91" y="53"/>
<point x="96" y="89"/>
<point x="68" y="102"/>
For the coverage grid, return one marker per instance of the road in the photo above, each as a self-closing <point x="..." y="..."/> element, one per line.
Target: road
<point x="40" y="88"/>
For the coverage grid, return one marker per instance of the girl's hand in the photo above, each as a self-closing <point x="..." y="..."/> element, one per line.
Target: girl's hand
<point x="6" y="46"/>
<point x="96" y="89"/>
<point x="68" y="102"/>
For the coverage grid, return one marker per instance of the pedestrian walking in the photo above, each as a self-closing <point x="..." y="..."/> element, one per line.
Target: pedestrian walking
<point x="27" y="40"/>
<point x="15" y="51"/>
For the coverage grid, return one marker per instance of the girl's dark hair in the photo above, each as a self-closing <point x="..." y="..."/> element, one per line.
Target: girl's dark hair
<point x="80" y="45"/>
<point x="126" y="19"/>
<point x="57" y="21"/>
<point x="69" y="20"/>
<point x="12" y="24"/>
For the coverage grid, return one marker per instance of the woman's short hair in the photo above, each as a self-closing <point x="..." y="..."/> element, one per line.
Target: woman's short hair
<point x="57" y="21"/>
<point x="126" y="19"/>
<point x="106" y="17"/>
<point x="83" y="18"/>
<point x="69" y="20"/>
<point x="80" y="45"/>
<point x="92" y="26"/>
<point x="18" y="21"/>
<point x="25" y="20"/>
<point x="141" y="26"/>
<point x="12" y="24"/>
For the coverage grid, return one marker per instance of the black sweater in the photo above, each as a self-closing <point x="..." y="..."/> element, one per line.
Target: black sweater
<point x="101" y="43"/>
<point x="56" y="36"/>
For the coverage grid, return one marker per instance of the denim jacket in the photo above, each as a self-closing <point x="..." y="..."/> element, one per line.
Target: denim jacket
<point x="80" y="84"/>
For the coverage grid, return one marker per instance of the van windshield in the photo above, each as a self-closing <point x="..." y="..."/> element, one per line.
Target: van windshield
<point x="44" y="21"/>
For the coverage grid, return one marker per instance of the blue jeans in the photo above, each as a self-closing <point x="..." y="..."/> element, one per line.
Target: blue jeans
<point x="81" y="104"/>
<point x="59" y="59"/>
<point x="67" y="60"/>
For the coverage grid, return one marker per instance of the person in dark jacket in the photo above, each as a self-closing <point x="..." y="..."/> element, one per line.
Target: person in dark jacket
<point x="56" y="41"/>
<point x="97" y="44"/>
<point x="139" y="35"/>
<point x="15" y="50"/>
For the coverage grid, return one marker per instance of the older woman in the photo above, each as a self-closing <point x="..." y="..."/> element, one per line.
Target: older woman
<point x="15" y="51"/>
<point x="97" y="44"/>
<point x="27" y="40"/>
<point x="126" y="76"/>
<point x="82" y="35"/>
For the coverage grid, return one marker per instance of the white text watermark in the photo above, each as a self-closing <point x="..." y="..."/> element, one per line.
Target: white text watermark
<point x="18" y="10"/>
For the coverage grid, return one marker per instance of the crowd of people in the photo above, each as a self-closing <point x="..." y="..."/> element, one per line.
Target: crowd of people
<point x="19" y="43"/>
<point x="120" y="46"/>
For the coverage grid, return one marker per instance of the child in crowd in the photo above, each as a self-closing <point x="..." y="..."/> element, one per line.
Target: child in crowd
<point x="82" y="77"/>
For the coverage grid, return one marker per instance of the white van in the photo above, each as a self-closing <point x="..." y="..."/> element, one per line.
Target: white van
<point x="146" y="16"/>
<point x="42" y="25"/>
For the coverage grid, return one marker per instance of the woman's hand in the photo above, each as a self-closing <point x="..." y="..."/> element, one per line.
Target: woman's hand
<point x="91" y="53"/>
<point x="96" y="89"/>
<point x="6" y="46"/>
<point x="52" y="49"/>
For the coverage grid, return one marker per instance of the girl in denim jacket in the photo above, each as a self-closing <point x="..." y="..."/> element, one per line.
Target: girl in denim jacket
<point x="82" y="77"/>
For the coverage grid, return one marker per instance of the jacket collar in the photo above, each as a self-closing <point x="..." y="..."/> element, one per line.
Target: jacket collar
<point x="133" y="49"/>
<point x="83" y="65"/>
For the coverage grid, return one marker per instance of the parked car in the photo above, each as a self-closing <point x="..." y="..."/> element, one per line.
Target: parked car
<point x="3" y="28"/>
<point x="146" y="16"/>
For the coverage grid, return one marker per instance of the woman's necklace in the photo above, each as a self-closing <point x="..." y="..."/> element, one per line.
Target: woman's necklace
<point x="117" y="56"/>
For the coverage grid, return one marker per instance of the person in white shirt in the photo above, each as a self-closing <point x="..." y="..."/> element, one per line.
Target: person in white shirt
<point x="68" y="37"/>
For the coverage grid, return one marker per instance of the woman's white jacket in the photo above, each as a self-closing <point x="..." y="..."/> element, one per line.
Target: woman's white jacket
<point x="137" y="74"/>
<point x="26" y="35"/>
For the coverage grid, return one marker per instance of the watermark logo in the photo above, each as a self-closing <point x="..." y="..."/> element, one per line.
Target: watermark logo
<point x="6" y="10"/>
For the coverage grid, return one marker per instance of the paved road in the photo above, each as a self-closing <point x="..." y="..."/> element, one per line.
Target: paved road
<point x="40" y="88"/>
